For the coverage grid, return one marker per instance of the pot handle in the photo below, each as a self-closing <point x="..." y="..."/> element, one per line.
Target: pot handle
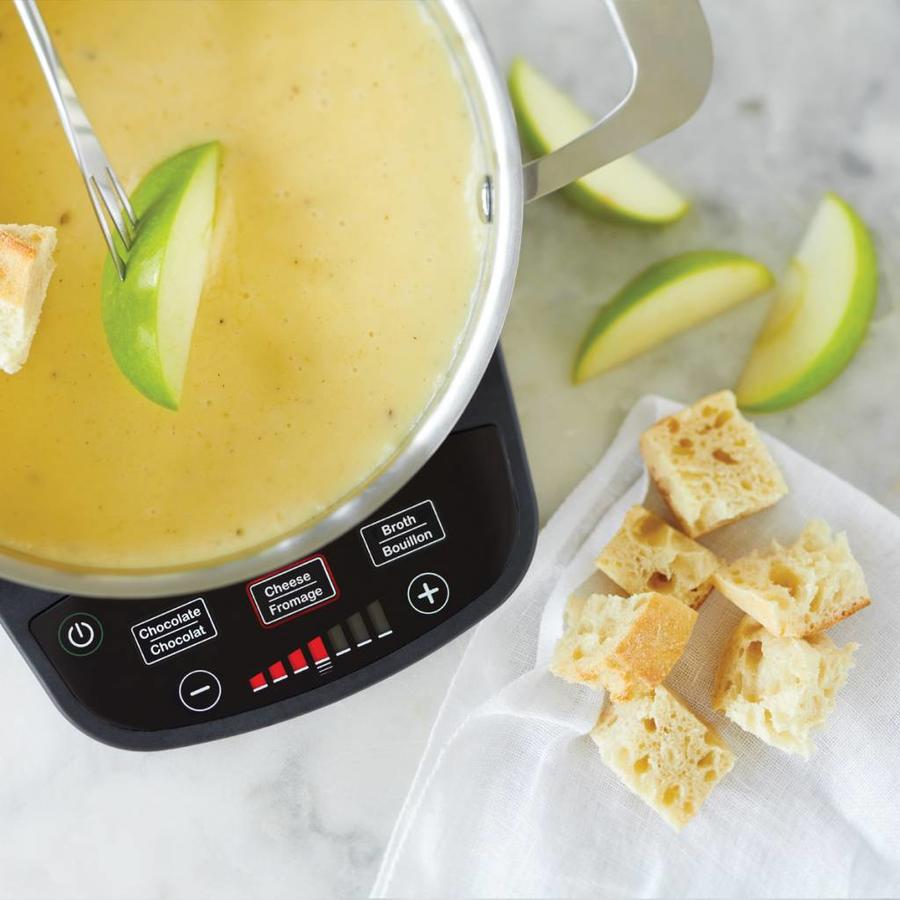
<point x="670" y="51"/>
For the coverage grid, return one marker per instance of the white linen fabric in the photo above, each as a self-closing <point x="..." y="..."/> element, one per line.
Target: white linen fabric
<point x="511" y="798"/>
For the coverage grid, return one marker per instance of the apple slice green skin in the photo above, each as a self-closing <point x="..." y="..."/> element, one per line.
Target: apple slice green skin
<point x="149" y="317"/>
<point x="626" y="191"/>
<point x="820" y="315"/>
<point x="667" y="298"/>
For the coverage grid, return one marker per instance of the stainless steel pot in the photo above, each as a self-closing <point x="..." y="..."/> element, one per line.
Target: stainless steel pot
<point x="668" y="46"/>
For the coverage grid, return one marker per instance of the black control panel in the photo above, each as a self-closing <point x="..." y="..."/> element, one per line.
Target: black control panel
<point x="444" y="551"/>
<point x="440" y="543"/>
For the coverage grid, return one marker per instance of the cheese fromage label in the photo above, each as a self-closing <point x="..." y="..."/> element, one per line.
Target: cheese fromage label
<point x="292" y="591"/>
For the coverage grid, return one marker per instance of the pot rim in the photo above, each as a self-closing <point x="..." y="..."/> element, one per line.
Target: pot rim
<point x="502" y="158"/>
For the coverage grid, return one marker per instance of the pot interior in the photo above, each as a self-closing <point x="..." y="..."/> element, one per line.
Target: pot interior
<point x="492" y="193"/>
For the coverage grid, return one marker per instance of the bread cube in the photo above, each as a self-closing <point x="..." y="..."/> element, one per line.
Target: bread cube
<point x="663" y="753"/>
<point x="799" y="590"/>
<point x="25" y="267"/>
<point x="622" y="643"/>
<point x="647" y="554"/>
<point x="780" y="688"/>
<point x="573" y="610"/>
<point x="710" y="465"/>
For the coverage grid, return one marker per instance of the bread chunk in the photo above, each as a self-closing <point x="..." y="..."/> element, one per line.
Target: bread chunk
<point x="798" y="590"/>
<point x="710" y="465"/>
<point x="573" y="610"/>
<point x="26" y="263"/>
<point x="647" y="554"/>
<point x="622" y="643"/>
<point x="663" y="753"/>
<point x="780" y="688"/>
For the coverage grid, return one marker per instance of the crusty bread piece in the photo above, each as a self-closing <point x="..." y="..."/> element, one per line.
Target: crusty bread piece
<point x="573" y="610"/>
<point x="663" y="753"/>
<point x="26" y="263"/>
<point x="798" y="590"/>
<point x="647" y="554"/>
<point x="780" y="688"/>
<point x="710" y="465"/>
<point x="622" y="643"/>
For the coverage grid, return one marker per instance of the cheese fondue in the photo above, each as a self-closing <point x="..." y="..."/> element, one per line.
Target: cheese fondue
<point x="346" y="250"/>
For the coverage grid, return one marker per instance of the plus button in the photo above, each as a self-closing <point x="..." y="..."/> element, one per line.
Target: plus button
<point x="428" y="593"/>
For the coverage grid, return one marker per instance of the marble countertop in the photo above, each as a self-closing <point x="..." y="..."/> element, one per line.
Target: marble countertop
<point x="805" y="99"/>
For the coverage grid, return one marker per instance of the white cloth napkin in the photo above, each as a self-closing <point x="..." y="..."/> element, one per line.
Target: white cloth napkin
<point x="511" y="797"/>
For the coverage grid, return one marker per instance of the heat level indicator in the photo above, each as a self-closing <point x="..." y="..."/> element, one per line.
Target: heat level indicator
<point x="358" y="630"/>
<point x="338" y="640"/>
<point x="379" y="620"/>
<point x="319" y="654"/>
<point x="277" y="672"/>
<point x="322" y="652"/>
<point x="298" y="661"/>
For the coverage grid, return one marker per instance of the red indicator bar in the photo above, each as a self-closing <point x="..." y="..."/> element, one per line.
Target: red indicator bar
<point x="277" y="671"/>
<point x="258" y="682"/>
<point x="298" y="661"/>
<point x="317" y="650"/>
<point x="319" y="655"/>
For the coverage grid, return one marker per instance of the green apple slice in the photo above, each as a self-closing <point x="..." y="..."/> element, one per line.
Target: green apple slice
<point x="820" y="313"/>
<point x="664" y="300"/>
<point x="627" y="189"/>
<point x="149" y="317"/>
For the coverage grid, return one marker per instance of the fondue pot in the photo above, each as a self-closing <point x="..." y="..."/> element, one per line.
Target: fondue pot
<point x="432" y="542"/>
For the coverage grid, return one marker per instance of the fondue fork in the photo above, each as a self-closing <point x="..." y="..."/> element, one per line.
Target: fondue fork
<point x="107" y="195"/>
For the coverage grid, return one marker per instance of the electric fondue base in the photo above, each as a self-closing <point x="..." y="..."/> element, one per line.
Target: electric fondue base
<point x="146" y="674"/>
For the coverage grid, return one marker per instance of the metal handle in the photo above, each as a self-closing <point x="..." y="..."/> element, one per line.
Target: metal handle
<point x="670" y="52"/>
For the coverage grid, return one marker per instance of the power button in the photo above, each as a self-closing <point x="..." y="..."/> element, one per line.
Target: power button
<point x="80" y="634"/>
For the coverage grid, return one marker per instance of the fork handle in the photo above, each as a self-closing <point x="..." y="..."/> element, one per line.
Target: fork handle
<point x="107" y="195"/>
<point x="74" y="119"/>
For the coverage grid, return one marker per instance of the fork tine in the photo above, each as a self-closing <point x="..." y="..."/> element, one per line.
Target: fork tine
<point x="99" y="205"/>
<point x="114" y="211"/>
<point x="123" y="197"/>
